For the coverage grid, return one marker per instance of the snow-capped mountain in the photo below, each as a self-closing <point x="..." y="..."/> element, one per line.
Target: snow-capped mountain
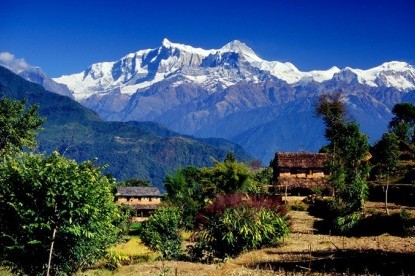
<point x="395" y="74"/>
<point x="215" y="70"/>
<point x="233" y="93"/>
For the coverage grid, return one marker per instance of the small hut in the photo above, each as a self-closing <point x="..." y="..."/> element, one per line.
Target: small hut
<point x="299" y="170"/>
<point x="143" y="200"/>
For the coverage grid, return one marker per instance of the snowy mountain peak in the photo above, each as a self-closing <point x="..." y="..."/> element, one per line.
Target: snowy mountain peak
<point x="396" y="65"/>
<point x="217" y="69"/>
<point x="185" y="48"/>
<point x="240" y="48"/>
<point x="166" y="43"/>
<point x="396" y="74"/>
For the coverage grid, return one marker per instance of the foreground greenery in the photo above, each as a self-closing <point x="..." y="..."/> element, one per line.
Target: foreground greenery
<point x="161" y="232"/>
<point x="55" y="214"/>
<point x="236" y="223"/>
<point x="18" y="126"/>
<point x="348" y="166"/>
<point x="225" y="205"/>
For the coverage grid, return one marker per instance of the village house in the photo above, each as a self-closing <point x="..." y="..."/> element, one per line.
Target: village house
<point x="299" y="170"/>
<point x="143" y="200"/>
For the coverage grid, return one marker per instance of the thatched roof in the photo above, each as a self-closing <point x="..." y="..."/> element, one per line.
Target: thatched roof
<point x="138" y="191"/>
<point x="302" y="160"/>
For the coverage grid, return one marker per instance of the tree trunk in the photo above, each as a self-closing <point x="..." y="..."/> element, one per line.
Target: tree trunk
<point x="386" y="197"/>
<point x="51" y="249"/>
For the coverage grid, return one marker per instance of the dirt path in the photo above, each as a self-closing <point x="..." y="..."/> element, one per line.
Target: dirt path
<point x="302" y="222"/>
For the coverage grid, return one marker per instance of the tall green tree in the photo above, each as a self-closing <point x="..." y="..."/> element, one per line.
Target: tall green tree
<point x="56" y="216"/>
<point x="403" y="122"/>
<point x="18" y="125"/>
<point x="385" y="160"/>
<point x="349" y="152"/>
<point x="183" y="191"/>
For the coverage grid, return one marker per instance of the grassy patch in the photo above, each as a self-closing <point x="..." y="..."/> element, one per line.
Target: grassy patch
<point x="134" y="249"/>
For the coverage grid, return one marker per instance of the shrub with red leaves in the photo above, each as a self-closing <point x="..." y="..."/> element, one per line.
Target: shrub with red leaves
<point x="234" y="223"/>
<point x="223" y="202"/>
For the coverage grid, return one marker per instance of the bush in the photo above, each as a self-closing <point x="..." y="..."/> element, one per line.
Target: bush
<point x="54" y="210"/>
<point x="161" y="232"/>
<point x="114" y="260"/>
<point x="398" y="224"/>
<point x="321" y="208"/>
<point x="407" y="223"/>
<point x="344" y="224"/>
<point x="236" y="223"/>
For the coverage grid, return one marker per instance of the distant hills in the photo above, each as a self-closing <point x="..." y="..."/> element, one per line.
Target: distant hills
<point x="131" y="149"/>
<point x="265" y="106"/>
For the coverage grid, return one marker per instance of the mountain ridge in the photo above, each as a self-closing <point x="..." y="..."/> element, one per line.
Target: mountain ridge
<point x="171" y="57"/>
<point x="232" y="93"/>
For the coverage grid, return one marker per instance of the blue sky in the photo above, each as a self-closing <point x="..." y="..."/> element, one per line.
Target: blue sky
<point x="65" y="37"/>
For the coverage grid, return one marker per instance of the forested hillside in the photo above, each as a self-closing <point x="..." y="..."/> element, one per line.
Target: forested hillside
<point x="130" y="149"/>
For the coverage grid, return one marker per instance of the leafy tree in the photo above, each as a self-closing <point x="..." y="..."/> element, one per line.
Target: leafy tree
<point x="236" y="223"/>
<point x="333" y="111"/>
<point x="385" y="159"/>
<point x="161" y="232"/>
<point x="227" y="177"/>
<point x="18" y="125"/>
<point x="264" y="176"/>
<point x="183" y="191"/>
<point x="190" y="189"/>
<point x="56" y="216"/>
<point x="403" y="122"/>
<point x="349" y="151"/>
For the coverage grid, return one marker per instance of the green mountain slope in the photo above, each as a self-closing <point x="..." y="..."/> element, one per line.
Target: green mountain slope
<point x="130" y="149"/>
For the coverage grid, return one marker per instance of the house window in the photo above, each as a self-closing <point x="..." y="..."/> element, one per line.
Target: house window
<point x="150" y="199"/>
